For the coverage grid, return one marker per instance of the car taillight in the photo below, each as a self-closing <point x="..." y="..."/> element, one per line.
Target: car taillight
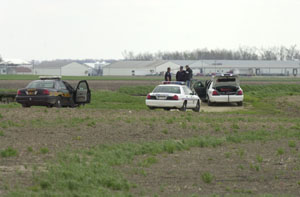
<point x="215" y="93"/>
<point x="240" y="92"/>
<point x="19" y="92"/>
<point x="46" y="92"/>
<point x="175" y="97"/>
<point x="148" y="96"/>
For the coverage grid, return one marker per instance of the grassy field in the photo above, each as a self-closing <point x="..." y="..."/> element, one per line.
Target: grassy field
<point x="117" y="147"/>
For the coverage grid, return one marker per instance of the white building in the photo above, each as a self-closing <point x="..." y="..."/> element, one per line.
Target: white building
<point x="13" y="66"/>
<point x="247" y="67"/>
<point x="71" y="69"/>
<point x="139" y="68"/>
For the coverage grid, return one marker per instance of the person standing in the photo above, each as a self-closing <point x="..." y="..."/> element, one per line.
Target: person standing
<point x="189" y="75"/>
<point x="168" y="75"/>
<point x="180" y="75"/>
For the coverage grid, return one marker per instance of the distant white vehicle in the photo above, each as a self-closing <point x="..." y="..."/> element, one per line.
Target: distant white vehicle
<point x="225" y="89"/>
<point x="173" y="95"/>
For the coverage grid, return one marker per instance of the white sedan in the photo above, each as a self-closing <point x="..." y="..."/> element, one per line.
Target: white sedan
<point x="225" y="89"/>
<point x="173" y="95"/>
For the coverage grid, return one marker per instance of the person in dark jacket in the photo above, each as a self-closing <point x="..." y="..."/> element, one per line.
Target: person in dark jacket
<point x="168" y="76"/>
<point x="180" y="75"/>
<point x="189" y="75"/>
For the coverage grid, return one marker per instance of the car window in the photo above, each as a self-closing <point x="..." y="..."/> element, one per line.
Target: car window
<point x="41" y="84"/>
<point x="61" y="85"/>
<point x="167" y="89"/>
<point x="186" y="90"/>
<point x="226" y="81"/>
<point x="82" y="86"/>
<point x="198" y="84"/>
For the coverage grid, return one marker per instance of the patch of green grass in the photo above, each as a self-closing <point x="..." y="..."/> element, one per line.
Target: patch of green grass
<point x="148" y="162"/>
<point x="93" y="172"/>
<point x="259" y="159"/>
<point x="241" y="167"/>
<point x="115" y="100"/>
<point x="1" y="133"/>
<point x="292" y="144"/>
<point x="165" y="131"/>
<point x="44" y="150"/>
<point x="9" y="152"/>
<point x="280" y="151"/>
<point x="207" y="177"/>
<point x="170" y="121"/>
<point x="29" y="149"/>
<point x="136" y="90"/>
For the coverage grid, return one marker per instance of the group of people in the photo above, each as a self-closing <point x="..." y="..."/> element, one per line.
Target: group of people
<point x="182" y="75"/>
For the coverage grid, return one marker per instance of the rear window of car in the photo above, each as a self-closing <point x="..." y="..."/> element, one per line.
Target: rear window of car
<point x="167" y="89"/>
<point x="226" y="80"/>
<point x="41" y="84"/>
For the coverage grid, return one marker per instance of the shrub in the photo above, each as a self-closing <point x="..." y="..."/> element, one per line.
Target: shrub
<point x="9" y="152"/>
<point x="207" y="177"/>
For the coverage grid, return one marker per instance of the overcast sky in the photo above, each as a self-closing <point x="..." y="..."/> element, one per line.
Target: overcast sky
<point x="51" y="29"/>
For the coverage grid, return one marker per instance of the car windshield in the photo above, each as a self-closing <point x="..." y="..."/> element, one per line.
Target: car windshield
<point x="167" y="89"/>
<point x="41" y="84"/>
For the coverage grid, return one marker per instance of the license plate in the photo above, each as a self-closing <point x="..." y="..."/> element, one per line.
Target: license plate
<point x="30" y="93"/>
<point x="161" y="98"/>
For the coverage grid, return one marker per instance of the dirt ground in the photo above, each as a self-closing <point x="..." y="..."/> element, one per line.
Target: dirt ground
<point x="250" y="168"/>
<point x="235" y="167"/>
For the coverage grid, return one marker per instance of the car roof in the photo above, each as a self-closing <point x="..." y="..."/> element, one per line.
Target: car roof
<point x="170" y="85"/>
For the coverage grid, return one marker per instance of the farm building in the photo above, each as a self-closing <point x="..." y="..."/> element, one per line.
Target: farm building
<point x="206" y="67"/>
<point x="247" y="67"/>
<point x="15" y="66"/>
<point x="139" y="68"/>
<point x="69" y="69"/>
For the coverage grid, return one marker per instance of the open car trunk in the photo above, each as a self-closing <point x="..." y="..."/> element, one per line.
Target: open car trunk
<point x="226" y="85"/>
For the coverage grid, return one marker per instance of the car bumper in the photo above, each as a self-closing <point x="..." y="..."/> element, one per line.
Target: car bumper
<point x="164" y="103"/>
<point x="36" y="100"/>
<point x="226" y="98"/>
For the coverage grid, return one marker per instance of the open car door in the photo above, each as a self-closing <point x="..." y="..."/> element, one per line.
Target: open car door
<point x="82" y="93"/>
<point x="200" y="89"/>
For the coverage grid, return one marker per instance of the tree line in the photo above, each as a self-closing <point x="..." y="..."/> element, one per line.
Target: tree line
<point x="242" y="53"/>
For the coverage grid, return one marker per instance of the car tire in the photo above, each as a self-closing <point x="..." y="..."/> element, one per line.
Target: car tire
<point x="58" y="102"/>
<point x="183" y="108"/>
<point x="209" y="103"/>
<point x="151" y="108"/>
<point x="197" y="108"/>
<point x="240" y="103"/>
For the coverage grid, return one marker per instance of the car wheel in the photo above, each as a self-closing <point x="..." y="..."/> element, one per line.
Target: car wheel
<point x="209" y="103"/>
<point x="183" y="108"/>
<point x="240" y="103"/>
<point x="25" y="105"/>
<point x="151" y="108"/>
<point x="197" y="108"/>
<point x="58" y="102"/>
